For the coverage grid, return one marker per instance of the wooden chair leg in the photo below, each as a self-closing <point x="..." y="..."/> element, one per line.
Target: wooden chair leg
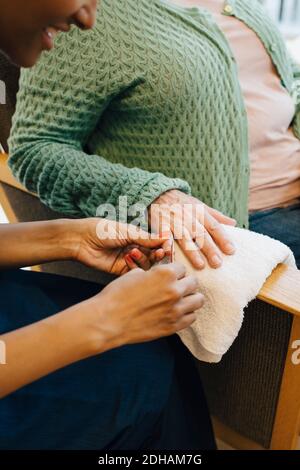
<point x="232" y="438"/>
<point x="287" y="420"/>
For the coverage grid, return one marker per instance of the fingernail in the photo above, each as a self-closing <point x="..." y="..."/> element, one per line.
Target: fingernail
<point x="168" y="252"/>
<point x="232" y="221"/>
<point x="128" y="259"/>
<point x="216" y="260"/>
<point x="230" y="248"/>
<point x="200" y="263"/>
<point x="136" y="254"/>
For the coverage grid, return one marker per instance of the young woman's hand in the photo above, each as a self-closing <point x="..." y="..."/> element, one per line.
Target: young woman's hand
<point x="143" y="306"/>
<point x="139" y="306"/>
<point x="196" y="227"/>
<point x="115" y="247"/>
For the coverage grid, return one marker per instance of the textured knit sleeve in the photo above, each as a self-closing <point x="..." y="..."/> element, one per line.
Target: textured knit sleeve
<point x="60" y="104"/>
<point x="296" y="92"/>
<point x="296" y="68"/>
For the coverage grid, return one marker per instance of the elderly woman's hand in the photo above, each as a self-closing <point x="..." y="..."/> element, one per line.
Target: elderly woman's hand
<point x="196" y="227"/>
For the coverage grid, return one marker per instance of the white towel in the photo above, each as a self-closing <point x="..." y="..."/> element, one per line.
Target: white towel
<point x="229" y="289"/>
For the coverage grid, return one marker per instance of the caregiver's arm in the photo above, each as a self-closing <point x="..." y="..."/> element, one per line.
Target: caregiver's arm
<point x="32" y="243"/>
<point x="98" y="243"/>
<point x="140" y="306"/>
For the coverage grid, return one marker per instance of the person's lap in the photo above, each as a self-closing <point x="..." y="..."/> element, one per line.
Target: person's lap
<point x="132" y="397"/>
<point x="282" y="224"/>
<point x="116" y="400"/>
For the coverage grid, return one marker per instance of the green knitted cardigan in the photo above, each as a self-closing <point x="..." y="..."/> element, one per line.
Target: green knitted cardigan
<point x="146" y="102"/>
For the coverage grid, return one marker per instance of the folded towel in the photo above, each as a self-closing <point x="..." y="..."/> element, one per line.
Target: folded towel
<point x="229" y="289"/>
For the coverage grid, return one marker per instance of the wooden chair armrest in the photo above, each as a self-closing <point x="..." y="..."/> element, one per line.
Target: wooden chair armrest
<point x="7" y="177"/>
<point x="282" y="289"/>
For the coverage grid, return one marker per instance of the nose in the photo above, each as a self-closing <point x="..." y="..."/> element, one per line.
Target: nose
<point x="85" y="18"/>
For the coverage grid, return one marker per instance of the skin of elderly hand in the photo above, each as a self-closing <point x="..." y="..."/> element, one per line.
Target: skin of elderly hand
<point x="196" y="227"/>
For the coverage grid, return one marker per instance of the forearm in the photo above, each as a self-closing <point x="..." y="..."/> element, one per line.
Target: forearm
<point x="50" y="133"/>
<point x="72" y="182"/>
<point x="37" y="350"/>
<point x="31" y="243"/>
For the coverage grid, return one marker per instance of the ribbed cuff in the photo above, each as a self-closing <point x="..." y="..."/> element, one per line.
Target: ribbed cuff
<point x="158" y="185"/>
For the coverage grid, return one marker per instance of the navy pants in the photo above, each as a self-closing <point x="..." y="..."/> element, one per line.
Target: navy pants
<point x="282" y="224"/>
<point x="142" y="396"/>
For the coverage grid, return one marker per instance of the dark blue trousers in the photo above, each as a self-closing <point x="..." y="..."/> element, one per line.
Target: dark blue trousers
<point x="282" y="224"/>
<point x="142" y="396"/>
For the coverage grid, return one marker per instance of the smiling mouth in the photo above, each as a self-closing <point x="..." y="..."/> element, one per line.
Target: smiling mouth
<point x="51" y="32"/>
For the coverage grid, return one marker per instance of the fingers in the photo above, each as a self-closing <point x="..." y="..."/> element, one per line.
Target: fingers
<point x="188" y="285"/>
<point x="176" y="270"/>
<point x="157" y="255"/>
<point x="210" y="250"/>
<point x="140" y="259"/>
<point x="143" y="258"/>
<point x="219" y="235"/>
<point x="191" y="250"/>
<point x="223" y="219"/>
<point x="146" y="258"/>
<point x="187" y="308"/>
<point x="168" y="246"/>
<point x="130" y="262"/>
<point x="202" y="234"/>
<point x="137" y="236"/>
<point x="186" y="321"/>
<point x="161" y="223"/>
<point x="190" y="304"/>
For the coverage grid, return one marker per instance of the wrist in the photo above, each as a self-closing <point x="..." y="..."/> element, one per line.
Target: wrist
<point x="102" y="325"/>
<point x="68" y="234"/>
<point x="78" y="330"/>
<point x="79" y="235"/>
<point x="171" y="196"/>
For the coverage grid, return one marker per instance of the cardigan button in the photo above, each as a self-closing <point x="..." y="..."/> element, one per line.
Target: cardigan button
<point x="273" y="47"/>
<point x="228" y="9"/>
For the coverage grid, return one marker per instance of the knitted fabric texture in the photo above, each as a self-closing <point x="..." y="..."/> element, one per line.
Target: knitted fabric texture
<point x="146" y="102"/>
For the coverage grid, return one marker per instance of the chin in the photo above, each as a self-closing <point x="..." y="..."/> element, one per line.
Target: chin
<point x="23" y="57"/>
<point x="27" y="60"/>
